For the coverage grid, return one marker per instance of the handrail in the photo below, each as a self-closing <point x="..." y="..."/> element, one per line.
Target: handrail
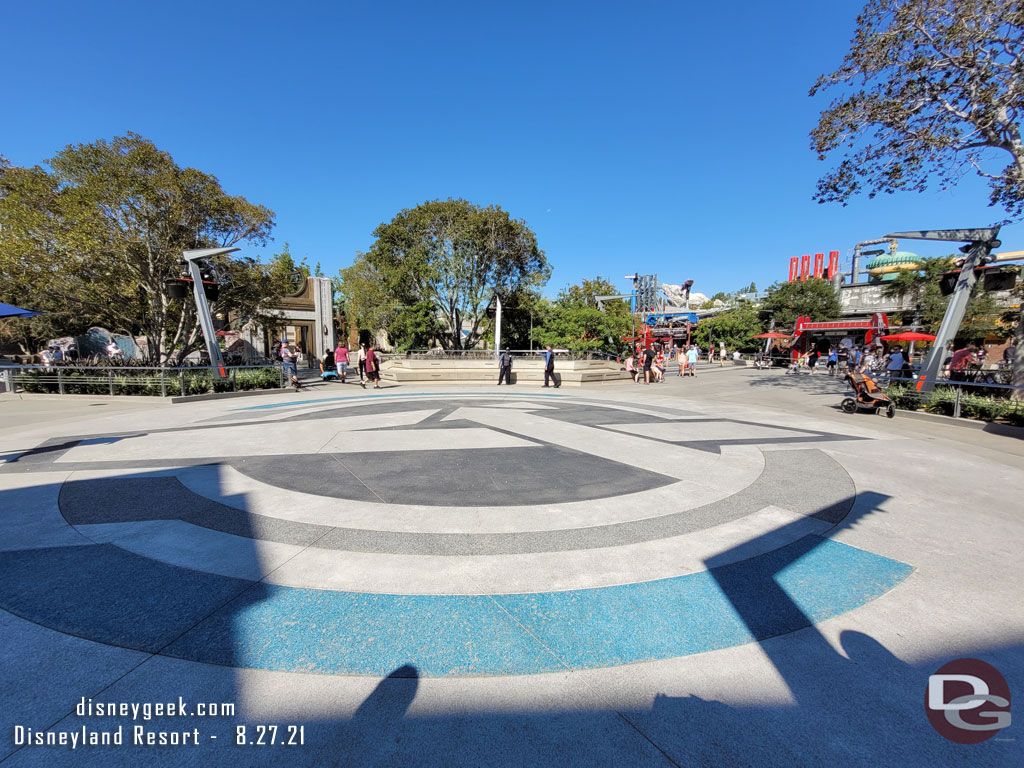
<point x="59" y="378"/>
<point x="74" y="367"/>
<point x="912" y="382"/>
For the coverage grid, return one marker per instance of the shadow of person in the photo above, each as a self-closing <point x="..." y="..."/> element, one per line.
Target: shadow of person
<point x="374" y="733"/>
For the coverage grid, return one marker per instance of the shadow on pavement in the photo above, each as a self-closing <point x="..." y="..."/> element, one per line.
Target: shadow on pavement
<point x="859" y="705"/>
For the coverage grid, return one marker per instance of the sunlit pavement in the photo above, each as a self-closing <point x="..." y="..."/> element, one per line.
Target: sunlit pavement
<point x="715" y="571"/>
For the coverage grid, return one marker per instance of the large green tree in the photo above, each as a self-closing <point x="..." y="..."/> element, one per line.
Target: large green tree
<point x="735" y="327"/>
<point x="574" y="321"/>
<point x="814" y="298"/>
<point x="450" y="255"/>
<point x="92" y="238"/>
<point x="929" y="90"/>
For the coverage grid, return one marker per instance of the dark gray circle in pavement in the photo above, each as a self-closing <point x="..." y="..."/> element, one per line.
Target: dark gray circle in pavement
<point x="510" y="476"/>
<point x="115" y="500"/>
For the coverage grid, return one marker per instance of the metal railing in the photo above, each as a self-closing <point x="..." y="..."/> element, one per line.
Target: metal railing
<point x="979" y="400"/>
<point x="64" y="379"/>
<point x="488" y="354"/>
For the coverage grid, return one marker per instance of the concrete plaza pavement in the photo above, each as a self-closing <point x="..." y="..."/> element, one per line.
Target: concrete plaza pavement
<point x="723" y="570"/>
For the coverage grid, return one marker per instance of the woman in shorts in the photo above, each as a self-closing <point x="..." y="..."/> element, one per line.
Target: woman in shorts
<point x="372" y="365"/>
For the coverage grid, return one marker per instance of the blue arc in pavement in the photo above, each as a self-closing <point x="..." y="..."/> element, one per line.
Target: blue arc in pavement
<point x="112" y="596"/>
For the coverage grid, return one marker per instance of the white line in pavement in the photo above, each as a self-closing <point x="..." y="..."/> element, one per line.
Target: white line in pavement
<point x="190" y="546"/>
<point x="670" y="460"/>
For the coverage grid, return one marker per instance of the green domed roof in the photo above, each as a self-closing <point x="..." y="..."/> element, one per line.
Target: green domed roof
<point x="888" y="260"/>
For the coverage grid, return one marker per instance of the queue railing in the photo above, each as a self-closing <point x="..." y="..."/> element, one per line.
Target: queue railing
<point x="65" y="379"/>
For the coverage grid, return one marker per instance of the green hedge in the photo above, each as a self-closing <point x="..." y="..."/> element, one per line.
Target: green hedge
<point x="942" y="401"/>
<point x="78" y="381"/>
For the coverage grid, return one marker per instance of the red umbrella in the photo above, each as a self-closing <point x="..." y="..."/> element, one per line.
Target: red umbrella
<point x="771" y="335"/>
<point x="909" y="336"/>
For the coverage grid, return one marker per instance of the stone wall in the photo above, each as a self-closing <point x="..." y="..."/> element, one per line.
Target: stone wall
<point x="525" y="370"/>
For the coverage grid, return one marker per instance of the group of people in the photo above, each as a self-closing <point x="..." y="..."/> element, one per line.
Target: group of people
<point x="334" y="363"/>
<point x="649" y="365"/>
<point x="52" y="354"/>
<point x="550" y="377"/>
<point x="875" y="360"/>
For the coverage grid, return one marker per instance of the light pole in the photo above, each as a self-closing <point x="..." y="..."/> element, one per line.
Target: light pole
<point x="497" y="324"/>
<point x="632" y="315"/>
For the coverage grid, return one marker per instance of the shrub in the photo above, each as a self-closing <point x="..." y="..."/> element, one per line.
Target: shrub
<point x="942" y="401"/>
<point x="905" y="396"/>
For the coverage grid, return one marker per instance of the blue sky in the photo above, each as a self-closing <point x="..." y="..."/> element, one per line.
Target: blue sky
<point x="654" y="137"/>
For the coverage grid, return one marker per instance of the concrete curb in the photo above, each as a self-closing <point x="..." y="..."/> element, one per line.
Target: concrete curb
<point x="7" y="396"/>
<point x="995" y="428"/>
<point x="227" y="395"/>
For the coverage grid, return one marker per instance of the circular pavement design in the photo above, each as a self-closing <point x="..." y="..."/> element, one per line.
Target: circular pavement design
<point x="483" y="535"/>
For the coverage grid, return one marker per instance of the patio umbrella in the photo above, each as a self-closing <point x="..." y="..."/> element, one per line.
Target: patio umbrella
<point x="909" y="336"/>
<point x="7" y="310"/>
<point x="771" y="335"/>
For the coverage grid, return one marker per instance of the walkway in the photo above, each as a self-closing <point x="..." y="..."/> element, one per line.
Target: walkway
<point x="712" y="571"/>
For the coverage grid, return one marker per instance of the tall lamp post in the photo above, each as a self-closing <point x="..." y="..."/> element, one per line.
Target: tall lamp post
<point x="632" y="315"/>
<point x="202" y="306"/>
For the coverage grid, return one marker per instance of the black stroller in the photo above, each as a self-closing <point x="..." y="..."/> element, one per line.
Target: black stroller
<point x="868" y="396"/>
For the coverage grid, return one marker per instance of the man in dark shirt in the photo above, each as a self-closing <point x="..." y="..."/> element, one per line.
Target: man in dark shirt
<point x="549" y="366"/>
<point x="505" y="368"/>
<point x="648" y="361"/>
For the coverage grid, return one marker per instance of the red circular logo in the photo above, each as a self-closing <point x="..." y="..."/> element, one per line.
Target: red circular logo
<point x="967" y="701"/>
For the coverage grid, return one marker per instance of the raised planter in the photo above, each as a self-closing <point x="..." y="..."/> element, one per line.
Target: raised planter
<point x="525" y="370"/>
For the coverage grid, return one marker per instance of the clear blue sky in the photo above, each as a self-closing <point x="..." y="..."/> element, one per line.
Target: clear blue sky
<point x="661" y="137"/>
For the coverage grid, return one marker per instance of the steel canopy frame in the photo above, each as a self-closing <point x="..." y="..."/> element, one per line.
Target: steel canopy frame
<point x="202" y="306"/>
<point x="980" y="243"/>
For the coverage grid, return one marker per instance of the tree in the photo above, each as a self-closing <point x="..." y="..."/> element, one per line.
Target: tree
<point x="735" y="327"/>
<point x="452" y="255"/>
<point x="367" y="302"/>
<point x="814" y="298"/>
<point x="92" y="239"/>
<point x="930" y="88"/>
<point x="574" y="321"/>
<point x="286" y="273"/>
<point x="920" y="287"/>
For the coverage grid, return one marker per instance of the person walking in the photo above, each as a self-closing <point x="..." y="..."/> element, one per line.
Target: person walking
<point x="549" y="366"/>
<point x="505" y="368"/>
<point x="833" y="361"/>
<point x="341" y="360"/>
<point x="372" y="367"/>
<point x="843" y="356"/>
<point x="362" y="365"/>
<point x="289" y="365"/>
<point x="648" y="361"/>
<point x="721" y="355"/>
<point x="691" y="360"/>
<point x="681" y="360"/>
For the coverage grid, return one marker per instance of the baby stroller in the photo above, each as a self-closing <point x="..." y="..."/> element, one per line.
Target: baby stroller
<point x="867" y="396"/>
